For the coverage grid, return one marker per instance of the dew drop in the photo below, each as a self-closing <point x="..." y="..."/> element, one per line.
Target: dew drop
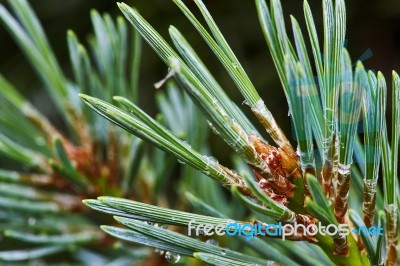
<point x="186" y="145"/>
<point x="214" y="130"/>
<point x="172" y="257"/>
<point x="31" y="221"/>
<point x="159" y="251"/>
<point x="213" y="242"/>
<point x="223" y="252"/>
<point x="181" y="161"/>
<point x="211" y="160"/>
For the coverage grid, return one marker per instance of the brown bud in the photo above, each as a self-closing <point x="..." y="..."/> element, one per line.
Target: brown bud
<point x="281" y="161"/>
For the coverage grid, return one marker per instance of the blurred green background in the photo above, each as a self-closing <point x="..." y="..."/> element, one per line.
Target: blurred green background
<point x="373" y="34"/>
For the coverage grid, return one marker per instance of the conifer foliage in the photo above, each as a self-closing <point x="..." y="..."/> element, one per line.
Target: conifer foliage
<point x="329" y="176"/>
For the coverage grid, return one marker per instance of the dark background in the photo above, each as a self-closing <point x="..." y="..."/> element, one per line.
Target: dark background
<point x="373" y="33"/>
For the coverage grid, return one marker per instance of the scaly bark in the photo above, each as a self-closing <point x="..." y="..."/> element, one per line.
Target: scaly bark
<point x="391" y="234"/>
<point x="369" y="200"/>
<point x="342" y="196"/>
<point x="341" y="206"/>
